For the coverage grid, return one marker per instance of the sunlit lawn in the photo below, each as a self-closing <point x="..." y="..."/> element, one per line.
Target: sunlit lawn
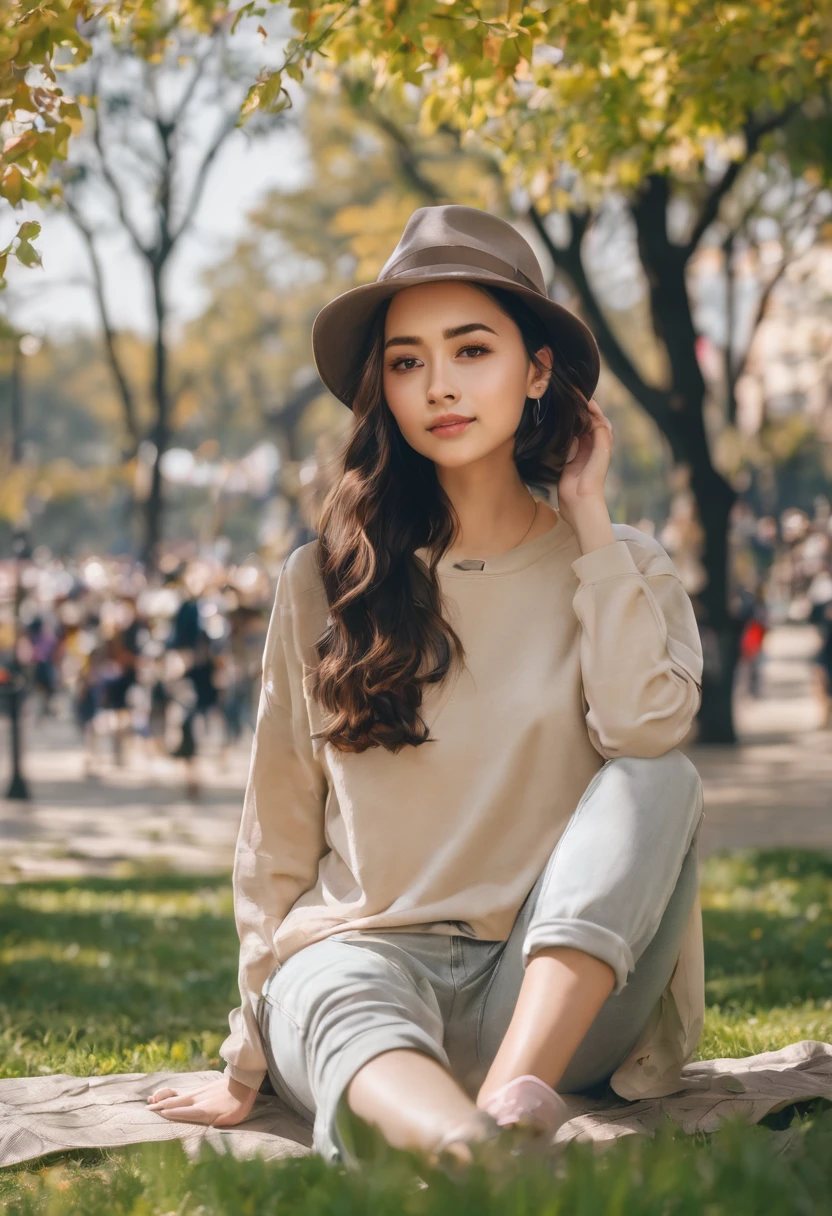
<point x="137" y="974"/>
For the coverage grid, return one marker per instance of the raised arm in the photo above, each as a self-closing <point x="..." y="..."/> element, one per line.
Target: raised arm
<point x="641" y="655"/>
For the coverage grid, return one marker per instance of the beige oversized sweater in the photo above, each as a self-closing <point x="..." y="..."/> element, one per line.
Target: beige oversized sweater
<point x="571" y="659"/>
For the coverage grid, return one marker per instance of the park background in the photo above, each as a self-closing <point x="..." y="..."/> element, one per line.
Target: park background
<point x="183" y="195"/>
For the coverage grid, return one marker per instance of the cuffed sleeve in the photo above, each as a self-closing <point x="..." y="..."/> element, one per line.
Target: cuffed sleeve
<point x="281" y="836"/>
<point x="641" y="654"/>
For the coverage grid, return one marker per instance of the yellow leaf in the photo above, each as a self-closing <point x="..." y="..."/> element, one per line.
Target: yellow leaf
<point x="12" y="186"/>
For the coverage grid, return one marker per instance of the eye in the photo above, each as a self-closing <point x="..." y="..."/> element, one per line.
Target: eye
<point x="397" y="363"/>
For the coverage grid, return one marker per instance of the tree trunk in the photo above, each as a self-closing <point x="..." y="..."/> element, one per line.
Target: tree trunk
<point x="720" y="631"/>
<point x="683" y="422"/>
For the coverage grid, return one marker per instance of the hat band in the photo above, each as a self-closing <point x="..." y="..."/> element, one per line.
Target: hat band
<point x="479" y="259"/>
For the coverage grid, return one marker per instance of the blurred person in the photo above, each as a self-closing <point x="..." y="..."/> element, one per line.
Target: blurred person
<point x="186" y="626"/>
<point x="440" y="932"/>
<point x="45" y="650"/>
<point x="118" y="676"/>
<point x="820" y="594"/>
<point x="240" y="672"/>
<point x="87" y="691"/>
<point x="755" y="615"/>
<point x="85" y="706"/>
<point x="190" y="581"/>
<point x="202" y="674"/>
<point x="133" y="625"/>
<point x="160" y="699"/>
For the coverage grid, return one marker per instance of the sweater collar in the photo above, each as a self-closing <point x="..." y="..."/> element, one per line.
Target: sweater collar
<point x="505" y="563"/>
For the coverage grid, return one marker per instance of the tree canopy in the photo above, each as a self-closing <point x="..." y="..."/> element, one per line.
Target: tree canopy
<point x="612" y="90"/>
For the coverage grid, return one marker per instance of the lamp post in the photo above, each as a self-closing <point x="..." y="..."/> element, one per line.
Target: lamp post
<point x="21" y="550"/>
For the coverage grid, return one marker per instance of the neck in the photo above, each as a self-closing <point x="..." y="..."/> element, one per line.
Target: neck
<point x="494" y="514"/>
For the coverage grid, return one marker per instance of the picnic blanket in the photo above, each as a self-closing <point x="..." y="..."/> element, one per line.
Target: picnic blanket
<point x="50" y="1114"/>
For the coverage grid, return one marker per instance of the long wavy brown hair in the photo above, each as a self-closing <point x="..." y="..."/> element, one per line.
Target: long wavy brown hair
<point x="387" y="637"/>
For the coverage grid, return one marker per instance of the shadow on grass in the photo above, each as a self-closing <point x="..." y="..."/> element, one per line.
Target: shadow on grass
<point x="109" y="964"/>
<point x="767" y="920"/>
<point x="121" y="960"/>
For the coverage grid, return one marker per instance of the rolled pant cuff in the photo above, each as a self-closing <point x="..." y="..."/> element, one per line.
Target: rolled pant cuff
<point x="363" y="1048"/>
<point x="582" y="935"/>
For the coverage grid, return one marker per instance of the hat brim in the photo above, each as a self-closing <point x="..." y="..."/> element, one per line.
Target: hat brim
<point x="339" y="329"/>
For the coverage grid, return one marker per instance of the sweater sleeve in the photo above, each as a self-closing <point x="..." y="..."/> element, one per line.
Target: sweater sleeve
<point x="641" y="654"/>
<point x="281" y="836"/>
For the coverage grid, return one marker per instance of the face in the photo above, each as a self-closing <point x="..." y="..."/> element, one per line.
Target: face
<point x="450" y="349"/>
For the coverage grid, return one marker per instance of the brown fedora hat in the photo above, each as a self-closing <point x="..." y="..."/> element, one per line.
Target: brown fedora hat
<point x="450" y="241"/>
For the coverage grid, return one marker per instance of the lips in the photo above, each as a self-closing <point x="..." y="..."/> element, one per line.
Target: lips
<point x="449" y="420"/>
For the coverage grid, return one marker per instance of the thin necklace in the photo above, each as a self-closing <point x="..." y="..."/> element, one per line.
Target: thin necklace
<point x="528" y="530"/>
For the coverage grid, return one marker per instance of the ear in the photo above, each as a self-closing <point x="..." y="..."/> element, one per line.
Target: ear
<point x="541" y="380"/>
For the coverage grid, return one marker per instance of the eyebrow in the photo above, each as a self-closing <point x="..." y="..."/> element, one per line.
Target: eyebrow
<point x="446" y="333"/>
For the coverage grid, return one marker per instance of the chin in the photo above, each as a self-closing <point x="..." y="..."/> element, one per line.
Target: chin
<point x="456" y="459"/>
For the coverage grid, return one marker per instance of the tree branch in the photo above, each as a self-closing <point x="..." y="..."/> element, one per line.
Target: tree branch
<point x="222" y="135"/>
<point x="730" y="317"/>
<point x="670" y="310"/>
<point x="654" y="400"/>
<point x="199" y="68"/>
<point x="760" y="312"/>
<point x="112" y="182"/>
<point x="754" y="131"/>
<point x="408" y="159"/>
<point x="789" y="255"/>
<point x="120" y="376"/>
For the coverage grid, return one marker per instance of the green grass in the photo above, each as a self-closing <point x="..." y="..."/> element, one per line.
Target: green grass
<point x="138" y="974"/>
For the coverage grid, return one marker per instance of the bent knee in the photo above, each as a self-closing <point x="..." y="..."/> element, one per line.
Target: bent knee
<point x="672" y="768"/>
<point x="677" y="780"/>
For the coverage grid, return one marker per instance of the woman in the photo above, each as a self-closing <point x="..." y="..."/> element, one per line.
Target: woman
<point x="466" y="875"/>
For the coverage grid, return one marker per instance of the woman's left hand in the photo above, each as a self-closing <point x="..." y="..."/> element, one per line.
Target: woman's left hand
<point x="582" y="480"/>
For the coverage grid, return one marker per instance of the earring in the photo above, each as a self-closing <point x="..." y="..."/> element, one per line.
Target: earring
<point x="537" y="413"/>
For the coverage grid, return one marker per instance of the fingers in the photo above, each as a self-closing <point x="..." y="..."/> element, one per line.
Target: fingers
<point x="187" y="1114"/>
<point x="599" y="414"/>
<point x="165" y="1092"/>
<point x="172" y="1102"/>
<point x="183" y="1108"/>
<point x="600" y="424"/>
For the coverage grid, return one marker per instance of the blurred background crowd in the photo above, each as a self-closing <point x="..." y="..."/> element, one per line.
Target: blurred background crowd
<point x="143" y="666"/>
<point x="169" y="662"/>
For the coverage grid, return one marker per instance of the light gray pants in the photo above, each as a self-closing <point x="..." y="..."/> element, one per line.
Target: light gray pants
<point x="620" y="885"/>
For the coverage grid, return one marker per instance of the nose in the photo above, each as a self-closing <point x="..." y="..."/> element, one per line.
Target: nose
<point x="440" y="389"/>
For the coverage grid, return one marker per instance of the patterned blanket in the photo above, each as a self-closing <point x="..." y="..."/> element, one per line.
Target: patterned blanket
<point x="49" y="1114"/>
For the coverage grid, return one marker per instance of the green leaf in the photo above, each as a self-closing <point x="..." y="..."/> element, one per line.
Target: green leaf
<point x="241" y="12"/>
<point x="27" y="254"/>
